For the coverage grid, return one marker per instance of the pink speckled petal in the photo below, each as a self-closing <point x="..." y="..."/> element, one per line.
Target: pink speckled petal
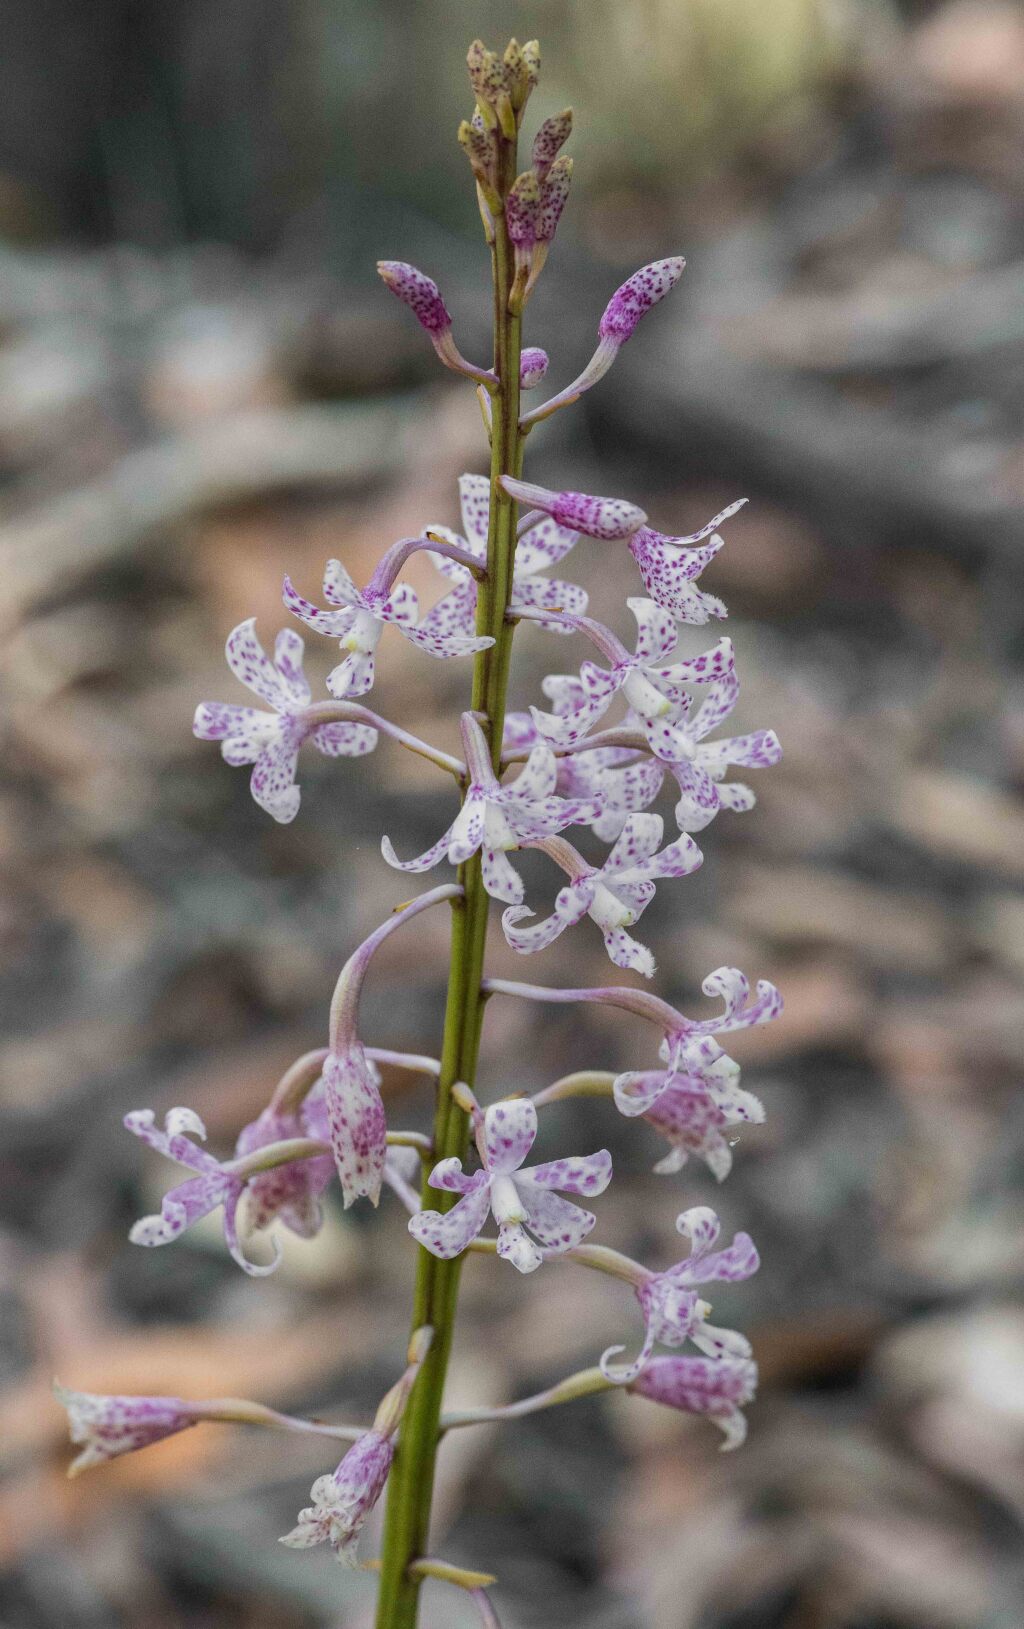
<point x="516" y="1246"/>
<point x="500" y="878"/>
<point x="449" y="1175"/>
<point x="447" y="1235"/>
<point x="289" y="648"/>
<point x="628" y="953"/>
<point x="510" y="1129"/>
<point x="657" y="633"/>
<point x="544" y="545"/>
<point x="250" y="663"/>
<point x="475" y="501"/>
<point x="358" y="1130"/>
<point x="637" y="295"/>
<point x="272" y="783"/>
<point x="536" y="937"/>
<point x="339" y="589"/>
<point x="423" y="862"/>
<point x="640" y="837"/>
<point x="401" y="607"/>
<point x="585" y="1174"/>
<point x="333" y="623"/>
<point x="444" y="645"/>
<point x="455" y="615"/>
<point x="537" y="778"/>
<point x="557" y="1223"/>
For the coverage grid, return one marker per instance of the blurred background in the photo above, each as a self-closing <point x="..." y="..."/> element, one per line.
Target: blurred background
<point x="203" y="385"/>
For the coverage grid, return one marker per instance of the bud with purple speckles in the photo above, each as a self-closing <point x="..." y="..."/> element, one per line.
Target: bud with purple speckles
<point x="423" y="297"/>
<point x="595" y="517"/>
<point x="533" y="365"/>
<point x="621" y="315"/>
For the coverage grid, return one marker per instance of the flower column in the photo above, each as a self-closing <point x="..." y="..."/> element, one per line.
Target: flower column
<point x="411" y="1483"/>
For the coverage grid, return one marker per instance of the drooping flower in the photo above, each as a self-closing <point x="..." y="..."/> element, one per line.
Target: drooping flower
<point x="343" y="1500"/>
<point x="718" y="1388"/>
<point x="286" y="1193"/>
<point x="215" y="1184"/>
<point x="423" y="297"/>
<point x="543" y="545"/>
<point x="614" y="896"/>
<point x="519" y="1199"/>
<point x="693" y="1121"/>
<point x="673" y="1311"/>
<point x="352" y="1103"/>
<point x="497" y="819"/>
<point x="670" y="565"/>
<point x="656" y="692"/>
<point x="270" y="741"/>
<point x="104" y="1427"/>
<point x="692" y="1057"/>
<point x="361" y="617"/>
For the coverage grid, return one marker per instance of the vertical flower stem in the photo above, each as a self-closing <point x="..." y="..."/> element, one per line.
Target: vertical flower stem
<point x="411" y="1483"/>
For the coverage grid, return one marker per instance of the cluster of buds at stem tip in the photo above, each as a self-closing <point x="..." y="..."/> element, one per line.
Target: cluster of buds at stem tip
<point x="503" y="84"/>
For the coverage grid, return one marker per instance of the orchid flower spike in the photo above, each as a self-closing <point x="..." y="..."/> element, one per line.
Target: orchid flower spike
<point x="423" y="297"/>
<point x="614" y="896"/>
<point x="518" y="1198"/>
<point x="496" y="819"/>
<point x="673" y="1311"/>
<point x="669" y="567"/>
<point x="595" y="517"/>
<point x="718" y="1388"/>
<point x="656" y="692"/>
<point x="270" y="741"/>
<point x="619" y="322"/>
<point x="361" y="616"/>
<point x="545" y="544"/>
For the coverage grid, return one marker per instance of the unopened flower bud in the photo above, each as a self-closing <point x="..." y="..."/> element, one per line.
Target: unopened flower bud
<point x="715" y="1387"/>
<point x="479" y="149"/>
<point x="636" y="297"/>
<point x="419" y="292"/>
<point x="533" y="365"/>
<point x="549" y="141"/>
<point x="521" y="209"/>
<point x="553" y="195"/>
<point x="596" y="517"/>
<point x="531" y="65"/>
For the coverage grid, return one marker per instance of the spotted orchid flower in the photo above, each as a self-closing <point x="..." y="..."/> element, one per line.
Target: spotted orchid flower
<point x="619" y="780"/>
<point x="656" y="692"/>
<point x="361" y="616"/>
<point x="495" y="819"/>
<point x="287" y="1193"/>
<point x="105" y="1427"/>
<point x="543" y="545"/>
<point x="215" y="1184"/>
<point x="717" y="1387"/>
<point x="614" y="896"/>
<point x="689" y="1050"/>
<point x="270" y="741"/>
<point x="670" y="565"/>
<point x="519" y="1198"/>
<point x="695" y="1115"/>
<point x="343" y="1500"/>
<point x="699" y="766"/>
<point x="673" y="1311"/>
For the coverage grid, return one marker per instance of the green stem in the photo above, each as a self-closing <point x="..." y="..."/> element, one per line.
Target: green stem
<point x="411" y="1483"/>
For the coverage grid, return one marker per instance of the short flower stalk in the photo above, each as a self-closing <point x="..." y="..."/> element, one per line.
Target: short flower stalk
<point x="614" y="736"/>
